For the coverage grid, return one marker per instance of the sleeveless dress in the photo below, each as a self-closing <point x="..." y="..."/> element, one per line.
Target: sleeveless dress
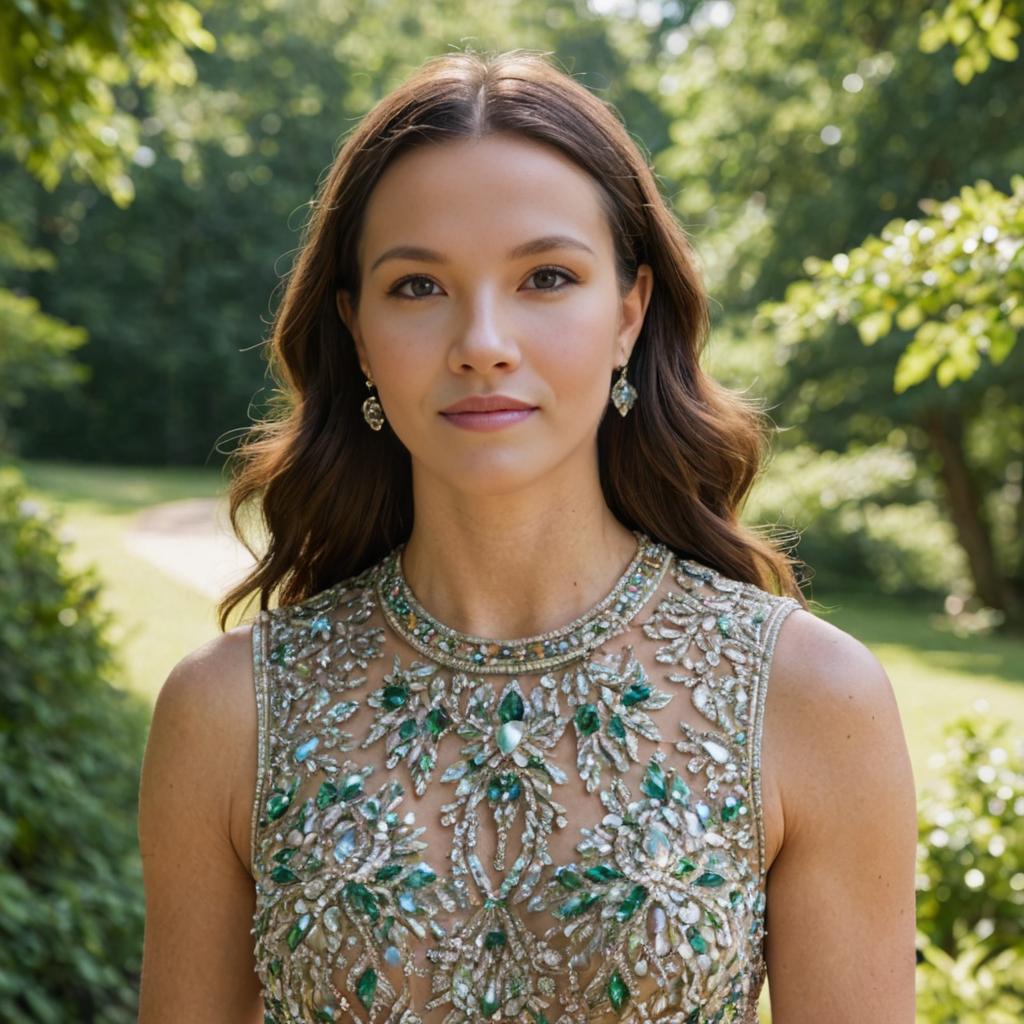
<point x="558" y="829"/>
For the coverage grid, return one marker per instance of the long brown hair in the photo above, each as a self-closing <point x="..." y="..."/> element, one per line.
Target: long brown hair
<point x="334" y="499"/>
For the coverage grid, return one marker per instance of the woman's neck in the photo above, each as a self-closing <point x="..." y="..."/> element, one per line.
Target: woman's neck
<point x="511" y="566"/>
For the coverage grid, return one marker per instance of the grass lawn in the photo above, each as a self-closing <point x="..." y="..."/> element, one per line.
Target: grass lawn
<point x="936" y="675"/>
<point x="158" y="619"/>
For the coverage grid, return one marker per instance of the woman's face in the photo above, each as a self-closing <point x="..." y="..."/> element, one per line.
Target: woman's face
<point x="491" y="310"/>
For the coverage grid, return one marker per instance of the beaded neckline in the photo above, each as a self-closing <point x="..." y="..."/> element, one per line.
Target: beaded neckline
<point x="468" y="653"/>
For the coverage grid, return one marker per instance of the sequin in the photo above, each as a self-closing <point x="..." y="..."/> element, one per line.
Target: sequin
<point x="598" y="854"/>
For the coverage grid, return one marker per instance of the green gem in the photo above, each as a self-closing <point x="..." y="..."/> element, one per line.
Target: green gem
<point x="724" y="622"/>
<point x="488" y="1002"/>
<point x="426" y="762"/>
<point x="629" y="906"/>
<point x="680" y="791"/>
<point x="685" y="866"/>
<point x="495" y="939"/>
<point x="618" y="993"/>
<point x="283" y="875"/>
<point x="394" y="697"/>
<point x="654" y="781"/>
<point x="615" y="728"/>
<point x="298" y="931"/>
<point x="326" y="795"/>
<point x="277" y="805"/>
<point x="568" y="878"/>
<point x="419" y="877"/>
<point x="577" y="904"/>
<point x="696" y="940"/>
<point x="511" y="707"/>
<point x="636" y="693"/>
<point x="275" y="968"/>
<point x="731" y="808"/>
<point x="603" y="873"/>
<point x="363" y="899"/>
<point x="587" y="719"/>
<point x="387" y="872"/>
<point x="502" y="784"/>
<point x="436" y="721"/>
<point x="709" y="879"/>
<point x="366" y="986"/>
<point x="352" y="787"/>
<point x="408" y="729"/>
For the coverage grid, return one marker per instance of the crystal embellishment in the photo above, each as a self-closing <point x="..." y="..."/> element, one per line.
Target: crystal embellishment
<point x="623" y="393"/>
<point x="529" y="654"/>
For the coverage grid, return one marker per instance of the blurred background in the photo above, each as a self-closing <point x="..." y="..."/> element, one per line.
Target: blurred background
<point x="852" y="177"/>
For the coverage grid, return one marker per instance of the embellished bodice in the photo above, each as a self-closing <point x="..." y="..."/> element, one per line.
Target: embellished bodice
<point x="565" y="828"/>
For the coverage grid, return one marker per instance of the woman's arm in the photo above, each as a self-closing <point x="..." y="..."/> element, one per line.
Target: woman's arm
<point x="840" y="942"/>
<point x="198" y="780"/>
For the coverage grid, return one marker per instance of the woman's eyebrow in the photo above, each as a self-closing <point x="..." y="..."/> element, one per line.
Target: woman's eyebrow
<point x="531" y="248"/>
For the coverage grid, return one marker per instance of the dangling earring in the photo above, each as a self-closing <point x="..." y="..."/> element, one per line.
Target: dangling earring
<point x="372" y="411"/>
<point x="623" y="393"/>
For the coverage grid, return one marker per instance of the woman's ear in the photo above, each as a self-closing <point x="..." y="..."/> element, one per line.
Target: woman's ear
<point x="343" y="303"/>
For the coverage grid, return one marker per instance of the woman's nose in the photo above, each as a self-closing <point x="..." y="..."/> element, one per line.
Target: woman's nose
<point x="484" y="341"/>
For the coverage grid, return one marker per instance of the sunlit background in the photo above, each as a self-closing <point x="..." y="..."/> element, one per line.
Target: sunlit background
<point x="852" y="177"/>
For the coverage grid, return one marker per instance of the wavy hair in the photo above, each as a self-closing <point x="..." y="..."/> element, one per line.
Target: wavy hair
<point x="679" y="467"/>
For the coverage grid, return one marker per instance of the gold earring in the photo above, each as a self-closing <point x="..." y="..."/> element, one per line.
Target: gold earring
<point x="373" y="413"/>
<point x="624" y="395"/>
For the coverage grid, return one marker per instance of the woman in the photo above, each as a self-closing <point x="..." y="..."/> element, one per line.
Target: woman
<point x="538" y="731"/>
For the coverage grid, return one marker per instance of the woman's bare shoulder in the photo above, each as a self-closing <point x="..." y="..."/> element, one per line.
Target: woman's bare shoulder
<point x="206" y="711"/>
<point x="830" y="708"/>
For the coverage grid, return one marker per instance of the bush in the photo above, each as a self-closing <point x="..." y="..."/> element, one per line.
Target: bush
<point x="71" y="903"/>
<point x="866" y="518"/>
<point x="971" y="879"/>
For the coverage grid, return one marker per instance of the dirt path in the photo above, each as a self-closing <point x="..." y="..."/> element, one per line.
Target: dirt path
<point x="191" y="541"/>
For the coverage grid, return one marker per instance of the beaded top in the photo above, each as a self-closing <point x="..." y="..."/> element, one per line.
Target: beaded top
<point x="580" y="839"/>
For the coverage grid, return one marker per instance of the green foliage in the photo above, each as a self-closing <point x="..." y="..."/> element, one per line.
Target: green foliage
<point x="979" y="29"/>
<point x="971" y="877"/>
<point x="60" y="63"/>
<point x="954" y="278"/>
<point x="872" y="520"/>
<point x="70" y="749"/>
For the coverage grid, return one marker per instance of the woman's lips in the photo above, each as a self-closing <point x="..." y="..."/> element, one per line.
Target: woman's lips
<point x="497" y="419"/>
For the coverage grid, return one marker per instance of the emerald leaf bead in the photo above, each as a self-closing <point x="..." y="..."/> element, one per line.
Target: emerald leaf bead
<point x="326" y="795"/>
<point x="511" y="708"/>
<point x="495" y="939"/>
<point x="603" y="873"/>
<point x="654" y="781"/>
<point x="436" y="721"/>
<point x="629" y="906"/>
<point x="366" y="987"/>
<point x="394" y="697"/>
<point x="635" y="694"/>
<point x="577" y="905"/>
<point x="419" y="877"/>
<point x="298" y="931"/>
<point x="709" y="879"/>
<point x="587" y="719"/>
<point x="615" y="728"/>
<point x="568" y="878"/>
<point x="618" y="992"/>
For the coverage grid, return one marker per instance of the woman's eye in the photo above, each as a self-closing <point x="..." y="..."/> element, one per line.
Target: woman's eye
<point x="409" y="280"/>
<point x="553" y="271"/>
<point x="540" y="272"/>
